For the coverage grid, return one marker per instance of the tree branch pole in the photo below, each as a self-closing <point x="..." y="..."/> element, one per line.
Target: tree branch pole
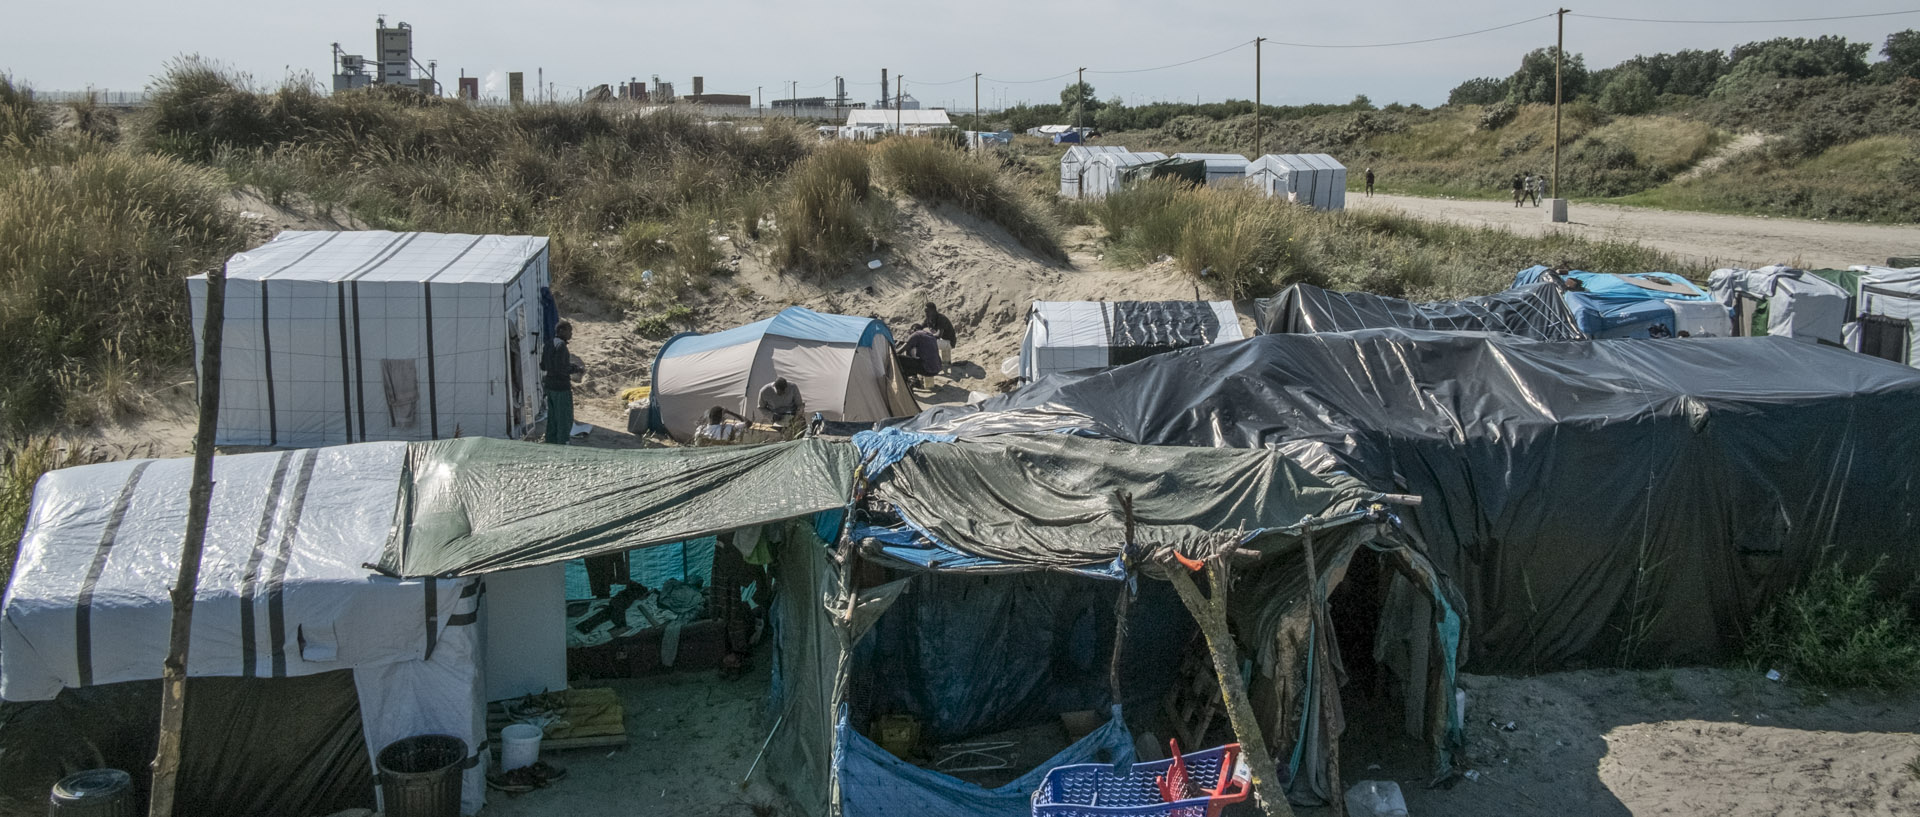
<point x="173" y="678"/>
<point x="1212" y="616"/>
<point x="1256" y="95"/>
<point x="1559" y="56"/>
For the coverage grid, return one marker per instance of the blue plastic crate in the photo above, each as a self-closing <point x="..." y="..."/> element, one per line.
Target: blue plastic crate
<point x="1093" y="790"/>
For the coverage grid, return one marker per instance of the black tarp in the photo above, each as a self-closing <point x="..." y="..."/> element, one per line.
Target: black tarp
<point x="1533" y="311"/>
<point x="1598" y="502"/>
<point x="1140" y="329"/>
<point x="250" y="745"/>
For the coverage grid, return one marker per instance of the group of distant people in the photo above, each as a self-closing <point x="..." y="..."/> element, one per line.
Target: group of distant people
<point x="1528" y="187"/>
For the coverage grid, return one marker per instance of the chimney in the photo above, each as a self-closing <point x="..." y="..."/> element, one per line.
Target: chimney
<point x="699" y="85"/>
<point x="884" y="89"/>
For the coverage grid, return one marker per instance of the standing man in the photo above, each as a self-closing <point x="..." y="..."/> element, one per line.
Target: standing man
<point x="1519" y="189"/>
<point x="1369" y="182"/>
<point x="560" y="370"/>
<point x="1539" y="189"/>
<point x="942" y="329"/>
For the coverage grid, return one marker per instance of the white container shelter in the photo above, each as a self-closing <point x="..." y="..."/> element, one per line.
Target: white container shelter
<point x="1889" y="304"/>
<point x="337" y="337"/>
<point x="1316" y="180"/>
<point x="1101" y="176"/>
<point x="1223" y="169"/>
<point x="1800" y="305"/>
<point x="1065" y="336"/>
<point x="1075" y="161"/>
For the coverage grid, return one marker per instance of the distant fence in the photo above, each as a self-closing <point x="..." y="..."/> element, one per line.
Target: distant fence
<point x="115" y="99"/>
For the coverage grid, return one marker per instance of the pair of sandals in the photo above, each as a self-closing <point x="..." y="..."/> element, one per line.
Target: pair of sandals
<point x="526" y="778"/>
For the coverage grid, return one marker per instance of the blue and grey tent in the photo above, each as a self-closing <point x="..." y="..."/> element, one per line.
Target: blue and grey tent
<point x="1636" y="305"/>
<point x="843" y="366"/>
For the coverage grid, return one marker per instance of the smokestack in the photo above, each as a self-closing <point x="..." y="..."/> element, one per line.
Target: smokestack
<point x="883" y="88"/>
<point x="699" y="85"/>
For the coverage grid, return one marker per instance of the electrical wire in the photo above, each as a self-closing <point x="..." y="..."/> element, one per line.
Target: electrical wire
<point x="1028" y="81"/>
<point x="1744" y="22"/>
<point x="1412" y="42"/>
<point x="1177" y="64"/>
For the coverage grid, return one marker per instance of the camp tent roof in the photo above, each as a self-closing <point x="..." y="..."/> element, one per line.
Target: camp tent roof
<point x="1535" y="311"/>
<point x="1534" y="456"/>
<point x="796" y="322"/>
<point x="378" y="255"/>
<point x="1127" y="158"/>
<point x="1620" y="305"/>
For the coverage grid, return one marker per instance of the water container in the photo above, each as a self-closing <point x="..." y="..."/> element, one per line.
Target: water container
<point x="420" y="776"/>
<point x="94" y="793"/>
<point x="519" y="745"/>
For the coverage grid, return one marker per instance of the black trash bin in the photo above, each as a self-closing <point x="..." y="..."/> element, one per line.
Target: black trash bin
<point x="420" y="776"/>
<point x="94" y="793"/>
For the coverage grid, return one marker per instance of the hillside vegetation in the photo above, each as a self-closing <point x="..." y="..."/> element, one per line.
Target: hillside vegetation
<point x="1840" y="136"/>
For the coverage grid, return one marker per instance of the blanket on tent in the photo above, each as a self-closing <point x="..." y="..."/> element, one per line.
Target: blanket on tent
<point x="1556" y="476"/>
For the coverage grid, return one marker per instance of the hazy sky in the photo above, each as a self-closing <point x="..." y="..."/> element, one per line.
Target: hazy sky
<point x="740" y="44"/>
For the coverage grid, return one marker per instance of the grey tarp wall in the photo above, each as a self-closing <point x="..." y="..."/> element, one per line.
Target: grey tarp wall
<point x="1533" y="311"/>
<point x="1576" y="491"/>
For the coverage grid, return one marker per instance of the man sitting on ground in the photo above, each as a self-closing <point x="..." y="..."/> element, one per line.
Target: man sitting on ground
<point x="780" y="402"/>
<point x="717" y="429"/>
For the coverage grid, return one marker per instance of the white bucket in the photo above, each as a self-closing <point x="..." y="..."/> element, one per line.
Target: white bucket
<point x="519" y="745"/>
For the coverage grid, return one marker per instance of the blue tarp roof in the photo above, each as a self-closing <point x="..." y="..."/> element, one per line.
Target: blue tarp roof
<point x="797" y="322"/>
<point x="1611" y="306"/>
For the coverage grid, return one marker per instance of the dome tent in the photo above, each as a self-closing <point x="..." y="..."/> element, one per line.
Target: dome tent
<point x="843" y="366"/>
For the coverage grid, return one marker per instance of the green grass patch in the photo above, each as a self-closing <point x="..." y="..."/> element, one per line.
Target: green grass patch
<point x="1839" y="631"/>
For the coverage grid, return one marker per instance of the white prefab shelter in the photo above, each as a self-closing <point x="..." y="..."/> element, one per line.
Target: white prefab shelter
<point x="1313" y="179"/>
<point x="283" y="590"/>
<point x="338" y="337"/>
<point x="1798" y="304"/>
<point x="1075" y="160"/>
<point x="1223" y="169"/>
<point x="889" y="120"/>
<point x="1101" y="175"/>
<point x="1065" y="336"/>
<point x="842" y="365"/>
<point x="1889" y="304"/>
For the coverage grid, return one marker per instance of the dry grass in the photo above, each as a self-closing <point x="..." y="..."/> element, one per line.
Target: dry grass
<point x="933" y="170"/>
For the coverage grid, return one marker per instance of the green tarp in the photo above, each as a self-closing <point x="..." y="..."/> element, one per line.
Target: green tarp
<point x="481" y="505"/>
<point x="1050" y="500"/>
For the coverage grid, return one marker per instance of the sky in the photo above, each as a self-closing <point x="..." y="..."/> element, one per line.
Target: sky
<point x="760" y="46"/>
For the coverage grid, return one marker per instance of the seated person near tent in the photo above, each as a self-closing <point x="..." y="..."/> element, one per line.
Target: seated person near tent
<point x="718" y="429"/>
<point x="919" y="354"/>
<point x="780" y="402"/>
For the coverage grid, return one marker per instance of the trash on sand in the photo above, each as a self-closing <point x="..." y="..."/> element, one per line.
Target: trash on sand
<point x="1773" y="675"/>
<point x="1376" y="798"/>
<point x="1472" y="774"/>
<point x="874" y="264"/>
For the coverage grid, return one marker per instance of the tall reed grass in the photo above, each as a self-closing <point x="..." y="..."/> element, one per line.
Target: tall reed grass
<point x="938" y="171"/>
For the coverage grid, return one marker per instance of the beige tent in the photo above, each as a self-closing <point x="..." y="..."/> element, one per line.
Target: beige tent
<point x="843" y="366"/>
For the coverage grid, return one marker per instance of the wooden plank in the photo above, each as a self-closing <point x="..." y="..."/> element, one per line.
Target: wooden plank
<point x="594" y="716"/>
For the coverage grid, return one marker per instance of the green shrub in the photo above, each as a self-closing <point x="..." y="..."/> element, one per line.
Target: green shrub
<point x="931" y="170"/>
<point x="1838" y="631"/>
<point x="661" y="324"/>
<point x="1497" y="115"/>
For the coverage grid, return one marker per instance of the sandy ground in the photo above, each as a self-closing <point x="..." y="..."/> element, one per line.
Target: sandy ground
<point x="1690" y="742"/>
<point x="1713" y="240"/>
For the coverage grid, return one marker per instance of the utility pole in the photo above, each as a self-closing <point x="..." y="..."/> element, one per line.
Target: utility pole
<point x="1559" y="55"/>
<point x="1079" y="97"/>
<point x="173" y="673"/>
<point x="899" y="94"/>
<point x="760" y="99"/>
<point x="540" y="82"/>
<point x="976" y="101"/>
<point x="1256" y="95"/>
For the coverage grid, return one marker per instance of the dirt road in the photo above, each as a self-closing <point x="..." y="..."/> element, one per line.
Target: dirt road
<point x="1714" y="240"/>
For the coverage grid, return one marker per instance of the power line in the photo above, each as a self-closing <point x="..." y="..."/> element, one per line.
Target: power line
<point x="1177" y="64"/>
<point x="1414" y="42"/>
<point x="948" y="82"/>
<point x="1029" y="81"/>
<point x="1743" y="22"/>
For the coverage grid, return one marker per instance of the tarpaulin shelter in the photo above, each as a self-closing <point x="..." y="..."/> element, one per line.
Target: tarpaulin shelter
<point x="1065" y="336"/>
<point x="1102" y="175"/>
<point x="1597" y="502"/>
<point x="843" y="366"/>
<point x="1783" y="301"/>
<point x="1889" y="304"/>
<point x="338" y="336"/>
<point x="1074" y="162"/>
<point x="1223" y="169"/>
<point x="305" y="661"/>
<point x="1534" y="311"/>
<point x="1637" y="305"/>
<point x="1313" y="179"/>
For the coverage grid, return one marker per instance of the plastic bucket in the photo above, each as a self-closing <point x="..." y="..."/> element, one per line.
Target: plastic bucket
<point x="519" y="745"/>
<point x="94" y="793"/>
<point x="420" y="776"/>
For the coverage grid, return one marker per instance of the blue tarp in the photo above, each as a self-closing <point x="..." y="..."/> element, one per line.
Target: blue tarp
<point x="1610" y="306"/>
<point x="874" y="783"/>
<point x="797" y="322"/>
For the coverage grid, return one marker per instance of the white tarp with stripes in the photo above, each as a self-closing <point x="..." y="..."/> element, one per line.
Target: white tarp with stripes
<point x="283" y="590"/>
<point x="341" y="337"/>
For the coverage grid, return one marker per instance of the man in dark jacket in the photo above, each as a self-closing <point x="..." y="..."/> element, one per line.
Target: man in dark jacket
<point x="943" y="330"/>
<point x="559" y="368"/>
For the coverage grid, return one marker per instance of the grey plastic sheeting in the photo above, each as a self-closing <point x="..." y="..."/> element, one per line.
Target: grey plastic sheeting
<point x="481" y="505"/>
<point x="1534" y="311"/>
<point x="1598" y="502"/>
<point x="1052" y="500"/>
